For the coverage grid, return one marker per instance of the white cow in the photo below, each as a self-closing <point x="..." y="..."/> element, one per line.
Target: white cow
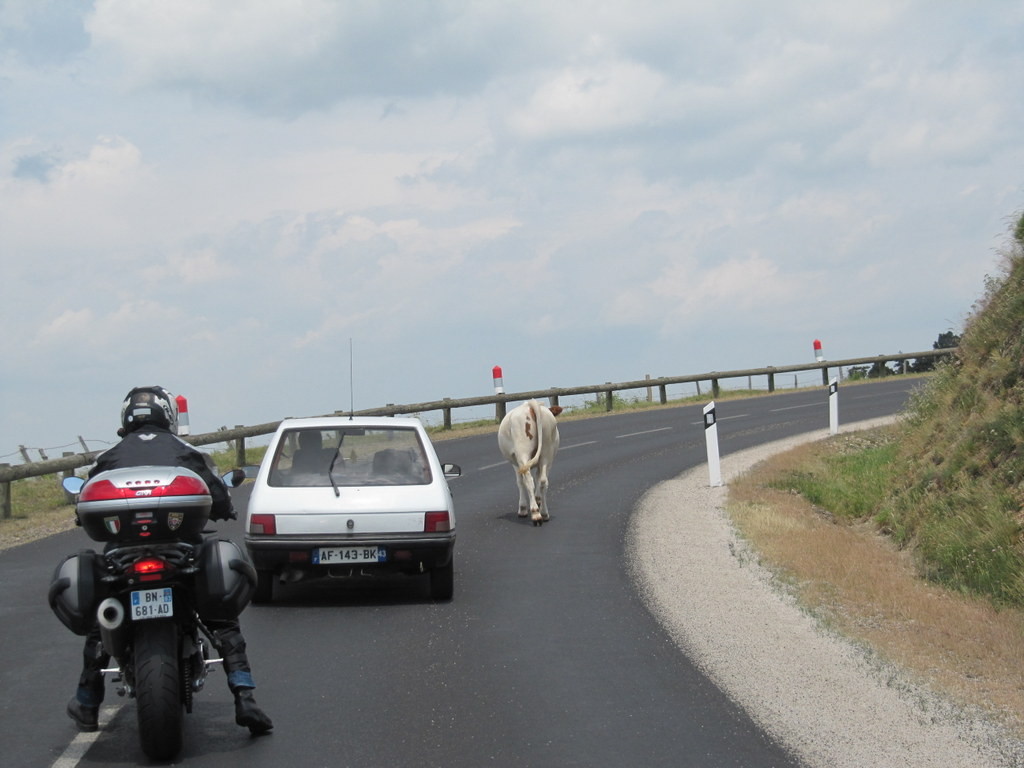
<point x="528" y="437"/>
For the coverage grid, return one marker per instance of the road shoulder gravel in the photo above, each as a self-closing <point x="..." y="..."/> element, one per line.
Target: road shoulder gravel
<point x="831" y="703"/>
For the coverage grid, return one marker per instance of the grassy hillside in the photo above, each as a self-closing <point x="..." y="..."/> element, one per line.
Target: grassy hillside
<point x="957" y="493"/>
<point x="948" y="484"/>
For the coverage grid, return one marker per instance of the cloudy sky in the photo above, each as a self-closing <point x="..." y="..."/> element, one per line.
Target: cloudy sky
<point x="222" y="196"/>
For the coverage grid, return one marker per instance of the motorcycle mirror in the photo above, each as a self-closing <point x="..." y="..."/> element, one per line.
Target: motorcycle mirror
<point x="73" y="484"/>
<point x="234" y="478"/>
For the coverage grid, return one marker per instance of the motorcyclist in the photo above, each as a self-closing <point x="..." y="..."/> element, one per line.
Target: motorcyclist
<point x="149" y="417"/>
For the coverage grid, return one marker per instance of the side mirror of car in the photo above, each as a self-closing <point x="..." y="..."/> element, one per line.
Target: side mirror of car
<point x="452" y="470"/>
<point x="73" y="484"/>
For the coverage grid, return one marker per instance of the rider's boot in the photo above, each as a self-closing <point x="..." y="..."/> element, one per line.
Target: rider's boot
<point x="248" y="713"/>
<point x="84" y="708"/>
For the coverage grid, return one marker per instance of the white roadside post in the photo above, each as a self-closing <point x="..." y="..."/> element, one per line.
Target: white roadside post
<point x="711" y="438"/>
<point x="833" y="406"/>
<point x="182" y="403"/>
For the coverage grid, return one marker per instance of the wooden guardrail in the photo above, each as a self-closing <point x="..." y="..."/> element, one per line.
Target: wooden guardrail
<point x="238" y="435"/>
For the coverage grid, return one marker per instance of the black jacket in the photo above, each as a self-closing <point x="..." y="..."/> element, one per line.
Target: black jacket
<point x="156" y="446"/>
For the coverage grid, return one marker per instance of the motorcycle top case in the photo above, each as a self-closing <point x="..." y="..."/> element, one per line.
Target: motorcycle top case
<point x="225" y="581"/>
<point x="76" y="590"/>
<point x="144" y="504"/>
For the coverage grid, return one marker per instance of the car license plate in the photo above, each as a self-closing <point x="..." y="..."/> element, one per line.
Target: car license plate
<point x="152" y="603"/>
<point x="342" y="555"/>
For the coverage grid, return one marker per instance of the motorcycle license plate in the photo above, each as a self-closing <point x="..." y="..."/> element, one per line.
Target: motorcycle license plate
<point x="343" y="555"/>
<point x="152" y="603"/>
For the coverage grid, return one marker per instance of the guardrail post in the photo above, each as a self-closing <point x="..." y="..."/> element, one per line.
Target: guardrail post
<point x="715" y="391"/>
<point x="824" y="376"/>
<point x="608" y="399"/>
<point x="553" y="400"/>
<point x="69" y="498"/>
<point x="239" y="450"/>
<point x="447" y="414"/>
<point x="662" y="394"/>
<point x="771" y="383"/>
<point x="5" y="497"/>
<point x="499" y="411"/>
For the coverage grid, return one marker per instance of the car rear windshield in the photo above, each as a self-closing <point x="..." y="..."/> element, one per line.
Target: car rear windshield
<point x="349" y="456"/>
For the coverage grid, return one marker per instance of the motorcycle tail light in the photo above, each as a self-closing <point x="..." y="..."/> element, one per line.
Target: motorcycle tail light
<point x="150" y="569"/>
<point x="100" y="490"/>
<point x="436" y="522"/>
<point x="182" y="485"/>
<point x="263" y="525"/>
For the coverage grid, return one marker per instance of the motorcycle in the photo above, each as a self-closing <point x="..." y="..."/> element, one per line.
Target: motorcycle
<point x="151" y="590"/>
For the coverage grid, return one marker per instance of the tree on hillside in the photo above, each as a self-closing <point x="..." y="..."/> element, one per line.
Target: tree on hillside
<point x="947" y="340"/>
<point x="879" y="370"/>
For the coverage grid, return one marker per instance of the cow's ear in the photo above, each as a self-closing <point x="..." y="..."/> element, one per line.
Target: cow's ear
<point x="555" y="410"/>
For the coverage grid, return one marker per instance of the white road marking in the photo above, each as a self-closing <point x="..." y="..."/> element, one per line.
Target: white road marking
<point x="722" y="418"/>
<point x="561" y="448"/>
<point x="794" y="407"/>
<point x="79" y="745"/>
<point x="645" y="432"/>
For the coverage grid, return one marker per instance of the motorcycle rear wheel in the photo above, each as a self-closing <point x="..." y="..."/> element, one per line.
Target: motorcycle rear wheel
<point x="158" y="689"/>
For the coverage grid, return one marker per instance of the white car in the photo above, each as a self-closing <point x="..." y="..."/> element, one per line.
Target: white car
<point x="344" y="496"/>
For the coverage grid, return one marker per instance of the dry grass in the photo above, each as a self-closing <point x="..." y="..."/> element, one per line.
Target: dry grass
<point x="860" y="585"/>
<point x="38" y="510"/>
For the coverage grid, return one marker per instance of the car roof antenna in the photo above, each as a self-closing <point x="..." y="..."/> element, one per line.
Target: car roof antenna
<point x="351" y="384"/>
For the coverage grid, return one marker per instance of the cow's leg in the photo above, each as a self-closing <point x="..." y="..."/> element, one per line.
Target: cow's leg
<point x="542" y="493"/>
<point x="527" y="504"/>
<point x="536" y="501"/>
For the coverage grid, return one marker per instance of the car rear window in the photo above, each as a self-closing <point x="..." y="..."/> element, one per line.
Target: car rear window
<point x="349" y="456"/>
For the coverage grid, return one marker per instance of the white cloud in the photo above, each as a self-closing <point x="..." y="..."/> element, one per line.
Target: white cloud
<point x="202" y="266"/>
<point x="468" y="179"/>
<point x="584" y="100"/>
<point x="197" y="40"/>
<point x="90" y="200"/>
<point x="686" y="291"/>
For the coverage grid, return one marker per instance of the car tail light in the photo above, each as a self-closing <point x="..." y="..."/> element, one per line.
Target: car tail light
<point x="436" y="522"/>
<point x="150" y="569"/>
<point x="263" y="524"/>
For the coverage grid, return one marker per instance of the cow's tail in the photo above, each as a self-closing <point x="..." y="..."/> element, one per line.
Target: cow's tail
<point x="534" y="408"/>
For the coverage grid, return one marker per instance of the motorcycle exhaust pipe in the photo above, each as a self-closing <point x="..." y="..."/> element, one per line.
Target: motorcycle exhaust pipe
<point x="113" y="631"/>
<point x="110" y="614"/>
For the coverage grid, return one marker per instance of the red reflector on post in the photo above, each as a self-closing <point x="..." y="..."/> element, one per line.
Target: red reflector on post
<point x="436" y="522"/>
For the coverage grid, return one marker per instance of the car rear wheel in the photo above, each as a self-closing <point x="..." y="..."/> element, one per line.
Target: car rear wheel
<point x="442" y="581"/>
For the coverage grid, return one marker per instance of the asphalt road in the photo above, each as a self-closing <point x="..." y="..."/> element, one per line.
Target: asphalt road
<point x="545" y="657"/>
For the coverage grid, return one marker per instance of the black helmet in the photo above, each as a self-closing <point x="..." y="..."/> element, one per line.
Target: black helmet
<point x="149" y="405"/>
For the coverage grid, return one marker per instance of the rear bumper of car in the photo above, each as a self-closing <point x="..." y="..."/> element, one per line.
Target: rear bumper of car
<point x="404" y="552"/>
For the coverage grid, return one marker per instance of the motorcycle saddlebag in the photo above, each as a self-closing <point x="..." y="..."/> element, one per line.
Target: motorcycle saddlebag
<point x="225" y="582"/>
<point x="76" y="590"/>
